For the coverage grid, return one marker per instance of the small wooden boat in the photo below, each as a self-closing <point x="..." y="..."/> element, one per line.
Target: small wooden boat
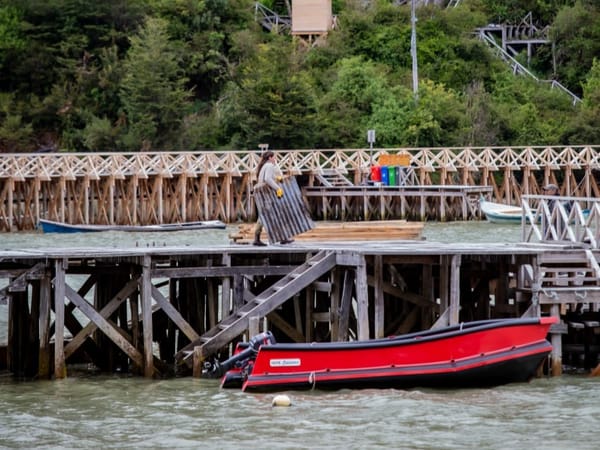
<point x="474" y="354"/>
<point x="500" y="213"/>
<point x="49" y="226"/>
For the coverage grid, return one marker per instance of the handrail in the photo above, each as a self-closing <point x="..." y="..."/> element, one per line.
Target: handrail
<point x="566" y="219"/>
<point x="518" y="68"/>
<point x="270" y="19"/>
<point x="45" y="166"/>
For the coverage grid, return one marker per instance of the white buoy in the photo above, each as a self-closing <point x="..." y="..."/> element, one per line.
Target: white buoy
<point x="281" y="400"/>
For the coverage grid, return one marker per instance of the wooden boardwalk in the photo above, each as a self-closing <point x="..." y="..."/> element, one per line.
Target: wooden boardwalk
<point x="155" y="311"/>
<point x="160" y="187"/>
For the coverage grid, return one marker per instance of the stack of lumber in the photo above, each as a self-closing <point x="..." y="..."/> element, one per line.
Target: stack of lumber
<point x="344" y="231"/>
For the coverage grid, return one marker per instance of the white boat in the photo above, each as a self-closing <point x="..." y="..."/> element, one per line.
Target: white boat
<point x="500" y="213"/>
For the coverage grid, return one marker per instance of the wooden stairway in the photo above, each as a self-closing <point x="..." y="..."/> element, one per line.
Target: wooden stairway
<point x="238" y="322"/>
<point x="333" y="178"/>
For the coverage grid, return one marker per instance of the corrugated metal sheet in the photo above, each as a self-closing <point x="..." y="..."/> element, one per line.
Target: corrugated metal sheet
<point x="283" y="217"/>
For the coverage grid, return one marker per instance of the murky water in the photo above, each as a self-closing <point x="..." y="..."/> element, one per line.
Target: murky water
<point x="129" y="412"/>
<point x="112" y="412"/>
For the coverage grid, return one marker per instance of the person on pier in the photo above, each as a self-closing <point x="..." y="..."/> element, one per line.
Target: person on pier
<point x="268" y="173"/>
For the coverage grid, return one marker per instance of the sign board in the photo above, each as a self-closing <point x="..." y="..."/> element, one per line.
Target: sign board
<point x="371" y="136"/>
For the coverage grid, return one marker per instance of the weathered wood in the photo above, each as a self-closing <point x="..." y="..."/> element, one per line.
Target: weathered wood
<point x="379" y="324"/>
<point x="408" y="287"/>
<point x="362" y="301"/>
<point x="174" y="315"/>
<point x="345" y="231"/>
<point x="44" y="327"/>
<point x="346" y="304"/>
<point x="556" y="341"/>
<point x="111" y="331"/>
<point x="289" y="330"/>
<point x="145" y="187"/>
<point x="105" y="313"/>
<point x="253" y="326"/>
<point x="216" y="271"/>
<point x="146" y="294"/>
<point x="266" y="302"/>
<point x="60" y="367"/>
<point x="454" y="289"/>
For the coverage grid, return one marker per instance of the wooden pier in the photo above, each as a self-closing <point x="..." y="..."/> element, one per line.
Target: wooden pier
<point x="161" y="187"/>
<point x="158" y="311"/>
<point x="366" y="203"/>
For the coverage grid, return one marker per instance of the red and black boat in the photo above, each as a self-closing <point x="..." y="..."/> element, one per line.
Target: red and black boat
<point x="472" y="354"/>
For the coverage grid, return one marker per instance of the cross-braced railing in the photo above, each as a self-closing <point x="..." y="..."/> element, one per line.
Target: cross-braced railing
<point x="561" y="219"/>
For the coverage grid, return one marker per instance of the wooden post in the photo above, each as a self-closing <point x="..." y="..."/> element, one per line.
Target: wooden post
<point x="556" y="341"/>
<point x="225" y="288"/>
<point x="36" y="198"/>
<point x="182" y="183"/>
<point x="444" y="285"/>
<point x="44" y="326"/>
<point x="146" y="290"/>
<point x="362" y="300"/>
<point x="86" y="200"/>
<point x="427" y="292"/>
<point x="308" y="321"/>
<point x="379" y="323"/>
<point x="60" y="367"/>
<point x="346" y="305"/>
<point x="253" y="326"/>
<point x="454" y="290"/>
<point x="197" y="360"/>
<point x="334" y="307"/>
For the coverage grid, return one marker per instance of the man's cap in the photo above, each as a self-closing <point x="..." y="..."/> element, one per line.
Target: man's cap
<point x="550" y="187"/>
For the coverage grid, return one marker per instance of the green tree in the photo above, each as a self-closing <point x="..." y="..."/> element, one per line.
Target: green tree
<point x="153" y="93"/>
<point x="273" y="102"/>
<point x="576" y="37"/>
<point x="585" y="126"/>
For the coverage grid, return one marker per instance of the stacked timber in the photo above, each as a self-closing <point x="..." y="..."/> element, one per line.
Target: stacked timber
<point x="379" y="230"/>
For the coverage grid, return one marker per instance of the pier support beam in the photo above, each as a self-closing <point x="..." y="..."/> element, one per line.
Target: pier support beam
<point x="454" y="289"/>
<point x="44" y="326"/>
<point x="60" y="367"/>
<point x="556" y="341"/>
<point x="146" y="290"/>
<point x="362" y="300"/>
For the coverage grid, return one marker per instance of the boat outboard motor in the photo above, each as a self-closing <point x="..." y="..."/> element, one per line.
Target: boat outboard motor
<point x="239" y="359"/>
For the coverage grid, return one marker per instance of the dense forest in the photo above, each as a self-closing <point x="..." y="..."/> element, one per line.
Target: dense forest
<point x="132" y="75"/>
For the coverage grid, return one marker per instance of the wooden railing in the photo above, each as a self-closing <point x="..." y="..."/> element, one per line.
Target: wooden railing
<point x="163" y="187"/>
<point x="554" y="219"/>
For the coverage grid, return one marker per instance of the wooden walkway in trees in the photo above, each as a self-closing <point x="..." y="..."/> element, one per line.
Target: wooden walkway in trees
<point x="151" y="188"/>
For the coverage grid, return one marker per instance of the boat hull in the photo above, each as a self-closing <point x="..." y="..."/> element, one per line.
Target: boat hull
<point x="483" y="353"/>
<point x="499" y="213"/>
<point x="49" y="226"/>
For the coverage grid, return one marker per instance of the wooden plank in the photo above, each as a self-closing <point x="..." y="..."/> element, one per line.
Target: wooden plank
<point x="107" y="328"/>
<point x="174" y="315"/>
<point x="105" y="312"/>
<point x="218" y="272"/>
